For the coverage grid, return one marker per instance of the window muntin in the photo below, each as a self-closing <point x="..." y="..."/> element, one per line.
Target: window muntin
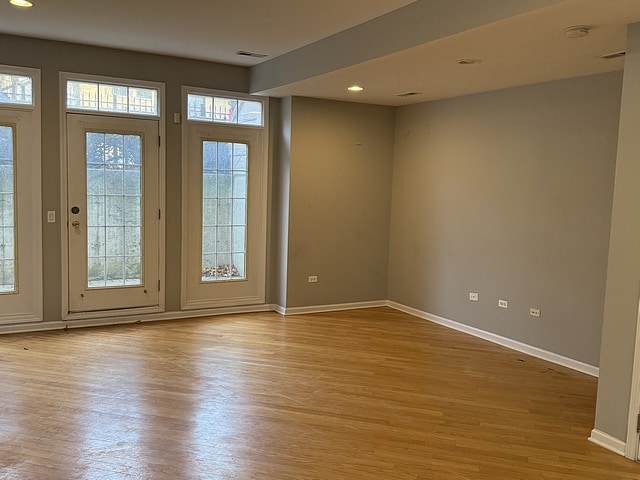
<point x="112" y="98"/>
<point x="226" y="110"/>
<point x="16" y="89"/>
<point x="224" y="210"/>
<point x="8" y="272"/>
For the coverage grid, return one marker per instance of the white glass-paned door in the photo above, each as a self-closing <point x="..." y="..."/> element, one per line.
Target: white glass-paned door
<point x="225" y="216"/>
<point x="113" y="213"/>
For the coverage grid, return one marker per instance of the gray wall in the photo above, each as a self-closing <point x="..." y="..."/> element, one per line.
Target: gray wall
<point x="509" y="194"/>
<point x="623" y="279"/>
<point x="53" y="57"/>
<point x="339" y="203"/>
<point x="279" y="225"/>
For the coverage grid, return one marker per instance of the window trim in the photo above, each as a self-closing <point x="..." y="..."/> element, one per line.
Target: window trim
<point x="32" y="115"/>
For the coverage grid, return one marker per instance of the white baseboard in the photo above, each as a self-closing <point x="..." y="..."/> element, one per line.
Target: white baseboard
<point x="331" y="308"/>
<point x="504" y="341"/>
<point x="607" y="441"/>
<point x="126" y="319"/>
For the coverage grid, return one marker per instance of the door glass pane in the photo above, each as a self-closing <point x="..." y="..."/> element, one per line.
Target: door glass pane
<point x="224" y="210"/>
<point x="114" y="209"/>
<point x="7" y="212"/>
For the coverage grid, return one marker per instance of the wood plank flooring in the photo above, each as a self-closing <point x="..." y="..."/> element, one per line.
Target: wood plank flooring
<point x="364" y="394"/>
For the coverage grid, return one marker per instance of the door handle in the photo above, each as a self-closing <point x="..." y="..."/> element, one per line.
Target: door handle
<point x="75" y="224"/>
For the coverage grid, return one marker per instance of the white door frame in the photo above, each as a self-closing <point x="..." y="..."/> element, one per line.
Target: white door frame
<point x="633" y="438"/>
<point x="258" y="184"/>
<point x="64" y="206"/>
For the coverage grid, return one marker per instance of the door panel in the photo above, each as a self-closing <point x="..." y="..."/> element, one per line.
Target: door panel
<point x="113" y="213"/>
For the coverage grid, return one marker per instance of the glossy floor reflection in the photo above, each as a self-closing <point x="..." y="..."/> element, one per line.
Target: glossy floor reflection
<point x="368" y="394"/>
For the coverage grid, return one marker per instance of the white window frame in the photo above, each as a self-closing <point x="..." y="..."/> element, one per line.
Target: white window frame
<point x="64" y="206"/>
<point x="259" y="252"/>
<point x="29" y="192"/>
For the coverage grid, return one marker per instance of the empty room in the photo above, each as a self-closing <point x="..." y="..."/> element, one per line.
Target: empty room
<point x="276" y="239"/>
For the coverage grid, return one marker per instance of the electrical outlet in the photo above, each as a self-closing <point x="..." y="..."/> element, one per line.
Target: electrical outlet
<point x="503" y="304"/>
<point x="534" y="312"/>
<point x="473" y="296"/>
<point x="313" y="279"/>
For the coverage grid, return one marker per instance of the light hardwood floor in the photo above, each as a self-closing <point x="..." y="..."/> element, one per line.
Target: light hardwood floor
<point x="364" y="394"/>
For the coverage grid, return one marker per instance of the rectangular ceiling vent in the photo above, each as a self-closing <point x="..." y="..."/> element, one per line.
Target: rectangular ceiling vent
<point x="611" y="56"/>
<point x="408" y="94"/>
<point x="244" y="53"/>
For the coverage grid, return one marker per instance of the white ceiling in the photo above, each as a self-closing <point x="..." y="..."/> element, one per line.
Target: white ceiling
<point x="318" y="48"/>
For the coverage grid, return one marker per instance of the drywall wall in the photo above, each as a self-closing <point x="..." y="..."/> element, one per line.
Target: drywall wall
<point x="621" y="303"/>
<point x="508" y="194"/>
<point x="54" y="57"/>
<point x="339" y="202"/>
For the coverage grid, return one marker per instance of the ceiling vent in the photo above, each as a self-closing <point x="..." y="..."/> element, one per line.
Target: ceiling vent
<point x="408" y="94"/>
<point x="244" y="53"/>
<point x="611" y="56"/>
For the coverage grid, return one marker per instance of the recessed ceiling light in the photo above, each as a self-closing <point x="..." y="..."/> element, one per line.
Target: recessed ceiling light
<point x="355" y="88"/>
<point x="467" y="61"/>
<point x="577" y="31"/>
<point x="21" y="3"/>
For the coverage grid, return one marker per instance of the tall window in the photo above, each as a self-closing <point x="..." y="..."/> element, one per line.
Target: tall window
<point x="224" y="175"/>
<point x="7" y="210"/>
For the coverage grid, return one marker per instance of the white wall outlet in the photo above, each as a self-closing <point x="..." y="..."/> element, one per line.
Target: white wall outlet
<point x="51" y="216"/>
<point x="503" y="304"/>
<point x="473" y="296"/>
<point x="534" y="312"/>
<point x="313" y="279"/>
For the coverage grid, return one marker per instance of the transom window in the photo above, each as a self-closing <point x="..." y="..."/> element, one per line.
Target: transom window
<point x="16" y="89"/>
<point x="237" y="111"/>
<point x="112" y="98"/>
